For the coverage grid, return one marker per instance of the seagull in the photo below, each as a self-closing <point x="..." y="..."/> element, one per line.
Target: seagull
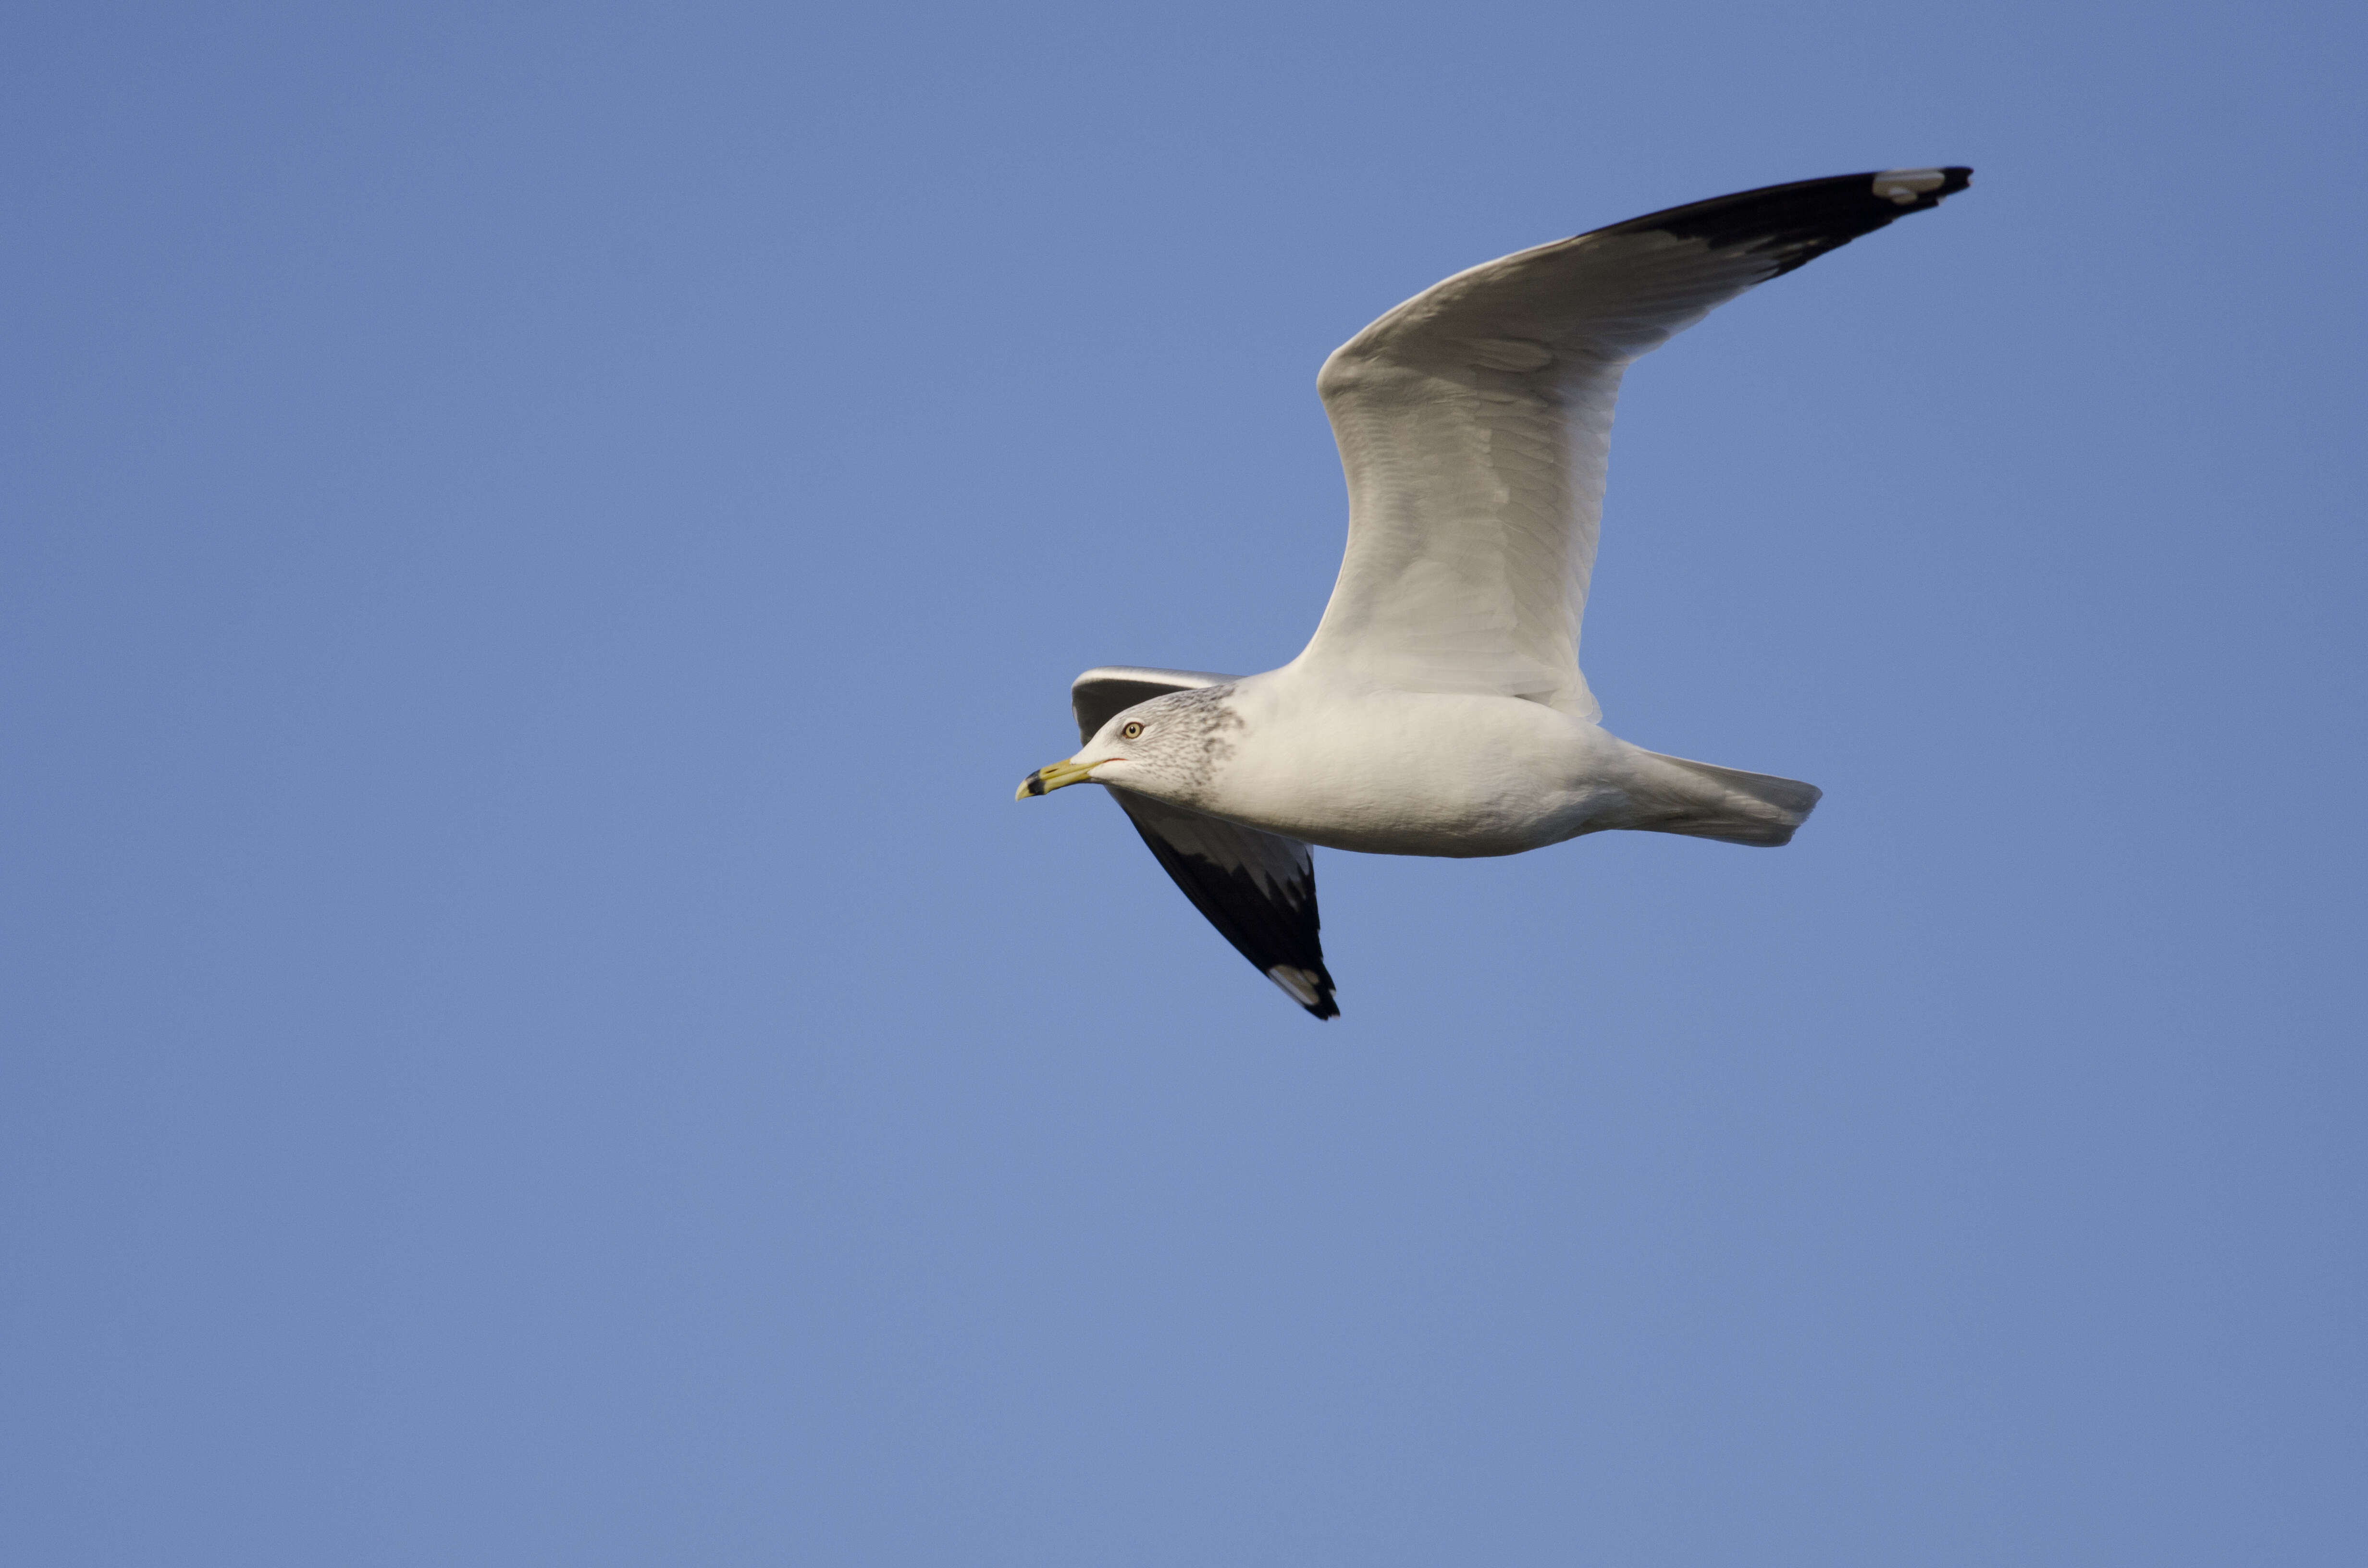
<point x="1439" y="709"/>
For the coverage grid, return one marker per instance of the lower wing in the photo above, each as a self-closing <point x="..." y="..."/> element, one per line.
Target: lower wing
<point x="1258" y="889"/>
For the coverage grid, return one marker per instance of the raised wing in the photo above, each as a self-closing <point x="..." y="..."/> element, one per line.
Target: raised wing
<point x="1258" y="889"/>
<point x="1474" y="422"/>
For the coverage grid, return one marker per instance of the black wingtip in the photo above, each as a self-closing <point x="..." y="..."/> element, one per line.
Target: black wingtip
<point x="1307" y="984"/>
<point x="1256" y="889"/>
<point x="1954" y="177"/>
<point x="1796" y="223"/>
<point x="1323" y="1006"/>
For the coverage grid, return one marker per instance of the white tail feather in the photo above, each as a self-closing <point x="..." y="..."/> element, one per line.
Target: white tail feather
<point x="1730" y="805"/>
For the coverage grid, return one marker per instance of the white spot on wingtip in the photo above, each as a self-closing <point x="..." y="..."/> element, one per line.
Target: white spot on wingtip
<point x="1299" y="983"/>
<point x="1904" y="186"/>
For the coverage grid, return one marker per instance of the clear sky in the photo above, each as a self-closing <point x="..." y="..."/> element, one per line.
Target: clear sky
<point x="536" y="542"/>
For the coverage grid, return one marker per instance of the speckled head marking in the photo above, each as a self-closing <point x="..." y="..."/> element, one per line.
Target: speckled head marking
<point x="1189" y="733"/>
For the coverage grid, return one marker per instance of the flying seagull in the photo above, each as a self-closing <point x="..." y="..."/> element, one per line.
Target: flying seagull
<point x="1439" y="708"/>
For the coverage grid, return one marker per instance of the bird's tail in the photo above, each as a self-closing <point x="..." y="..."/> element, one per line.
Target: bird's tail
<point x="1730" y="805"/>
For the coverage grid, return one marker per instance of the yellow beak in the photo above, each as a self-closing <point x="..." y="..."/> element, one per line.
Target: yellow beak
<point x="1054" y="776"/>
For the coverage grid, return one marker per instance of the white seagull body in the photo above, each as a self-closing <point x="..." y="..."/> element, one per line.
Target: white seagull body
<point x="1440" y="708"/>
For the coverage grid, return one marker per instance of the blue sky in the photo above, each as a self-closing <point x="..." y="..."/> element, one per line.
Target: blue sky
<point x="538" y="541"/>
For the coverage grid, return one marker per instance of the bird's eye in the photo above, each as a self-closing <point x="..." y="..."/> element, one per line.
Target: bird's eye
<point x="1131" y="730"/>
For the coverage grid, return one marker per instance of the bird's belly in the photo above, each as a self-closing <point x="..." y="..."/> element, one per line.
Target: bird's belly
<point x="1458" y="836"/>
<point x="1525" y="779"/>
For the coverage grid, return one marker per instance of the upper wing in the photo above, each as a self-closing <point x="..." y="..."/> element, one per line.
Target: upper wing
<point x="1258" y="889"/>
<point x="1474" y="422"/>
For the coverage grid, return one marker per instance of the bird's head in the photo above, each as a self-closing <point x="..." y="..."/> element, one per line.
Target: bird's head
<point x="1161" y="748"/>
